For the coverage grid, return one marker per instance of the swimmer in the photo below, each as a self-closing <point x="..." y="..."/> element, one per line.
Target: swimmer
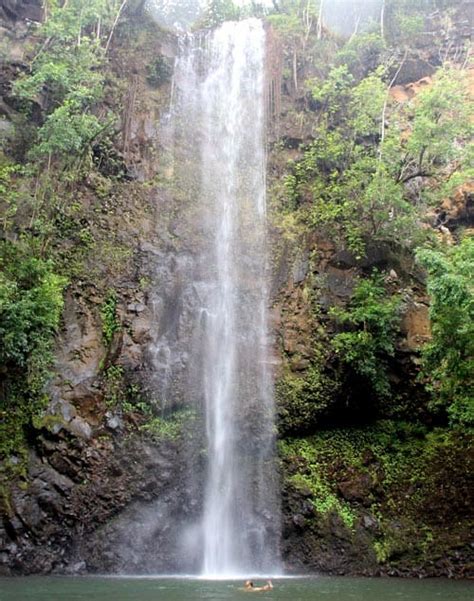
<point x="250" y="588"/>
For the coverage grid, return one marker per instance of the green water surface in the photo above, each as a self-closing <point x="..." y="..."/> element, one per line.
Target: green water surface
<point x="177" y="589"/>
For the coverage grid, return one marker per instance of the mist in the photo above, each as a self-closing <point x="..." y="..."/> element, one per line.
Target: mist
<point x="345" y="16"/>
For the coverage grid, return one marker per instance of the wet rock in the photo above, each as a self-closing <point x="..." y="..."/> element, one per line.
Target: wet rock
<point x="140" y="330"/>
<point x="357" y="488"/>
<point x="75" y="569"/>
<point x="63" y="409"/>
<point x="458" y="209"/>
<point x="15" y="10"/>
<point x="299" y="521"/>
<point x="300" y="270"/>
<point x="136" y="308"/>
<point x="369" y="522"/>
<point x="340" y="282"/>
<point x="80" y="428"/>
<point x="114" y="422"/>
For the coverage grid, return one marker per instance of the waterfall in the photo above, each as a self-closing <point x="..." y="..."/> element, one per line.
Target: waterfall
<point x="218" y="122"/>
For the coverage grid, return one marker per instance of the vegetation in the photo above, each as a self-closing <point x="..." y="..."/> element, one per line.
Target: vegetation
<point x="108" y="313"/>
<point x="372" y="175"/>
<point x="368" y="186"/>
<point x="65" y="75"/>
<point x="354" y="177"/>
<point x="373" y="322"/>
<point x="389" y="471"/>
<point x="170" y="427"/>
<point x="59" y="121"/>
<point x="30" y="310"/>
<point x="302" y="400"/>
<point x="449" y="357"/>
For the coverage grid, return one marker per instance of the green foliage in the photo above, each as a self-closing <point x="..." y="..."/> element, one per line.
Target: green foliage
<point x="353" y="179"/>
<point x="405" y="20"/>
<point x="324" y="500"/>
<point x="66" y="131"/>
<point x="362" y="54"/>
<point x="352" y="192"/>
<point x="372" y="320"/>
<point x="442" y="124"/>
<point x="302" y="400"/>
<point x="121" y="395"/>
<point x="65" y="77"/>
<point x="8" y="194"/>
<point x="108" y="313"/>
<point x="449" y="357"/>
<point x="114" y="385"/>
<point x="30" y="305"/>
<point x="159" y="71"/>
<point x="31" y="300"/>
<point x="393" y="470"/>
<point x="170" y="427"/>
<point x="218" y="11"/>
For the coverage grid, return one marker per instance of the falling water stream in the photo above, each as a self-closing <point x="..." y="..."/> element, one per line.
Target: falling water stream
<point x="218" y="100"/>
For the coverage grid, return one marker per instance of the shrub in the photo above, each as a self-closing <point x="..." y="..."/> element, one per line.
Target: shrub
<point x="449" y="358"/>
<point x="371" y="320"/>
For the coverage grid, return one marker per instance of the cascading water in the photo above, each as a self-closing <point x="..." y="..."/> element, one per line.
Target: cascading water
<point x="215" y="132"/>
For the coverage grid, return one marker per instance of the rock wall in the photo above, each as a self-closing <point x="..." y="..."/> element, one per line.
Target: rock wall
<point x="105" y="456"/>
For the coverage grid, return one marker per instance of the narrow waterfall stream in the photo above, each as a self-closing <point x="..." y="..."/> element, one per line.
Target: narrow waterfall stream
<point x="219" y="112"/>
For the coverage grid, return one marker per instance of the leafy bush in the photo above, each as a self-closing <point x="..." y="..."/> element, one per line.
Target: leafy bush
<point x="356" y="178"/>
<point x="30" y="305"/>
<point x="449" y="357"/>
<point x="31" y="302"/>
<point x="65" y="76"/>
<point x="170" y="427"/>
<point x="159" y="71"/>
<point x="108" y="313"/>
<point x="302" y="400"/>
<point x="372" y="322"/>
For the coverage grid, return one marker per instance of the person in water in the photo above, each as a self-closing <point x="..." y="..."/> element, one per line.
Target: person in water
<point x="249" y="586"/>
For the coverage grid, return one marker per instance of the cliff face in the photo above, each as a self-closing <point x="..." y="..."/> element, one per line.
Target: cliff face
<point x="367" y="487"/>
<point x="102" y="457"/>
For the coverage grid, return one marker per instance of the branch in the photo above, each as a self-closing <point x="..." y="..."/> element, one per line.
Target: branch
<point x="119" y="13"/>
<point x="384" y="110"/>
<point x="320" y="21"/>
<point x="382" y="20"/>
<point x="356" y="29"/>
<point x="416" y="174"/>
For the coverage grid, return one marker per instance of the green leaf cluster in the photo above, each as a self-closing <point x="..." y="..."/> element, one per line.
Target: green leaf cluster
<point x="170" y="427"/>
<point x="108" y="313"/>
<point x="30" y="305"/>
<point x="303" y="399"/>
<point x="31" y="301"/>
<point x="353" y="179"/>
<point x="449" y="357"/>
<point x="218" y="11"/>
<point x="400" y="467"/>
<point x="65" y="77"/>
<point x="371" y="321"/>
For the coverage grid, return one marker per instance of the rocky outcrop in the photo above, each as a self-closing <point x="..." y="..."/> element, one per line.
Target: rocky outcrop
<point x="76" y="485"/>
<point x="13" y="11"/>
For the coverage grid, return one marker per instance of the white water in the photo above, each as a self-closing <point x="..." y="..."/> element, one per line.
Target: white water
<point x="218" y="108"/>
